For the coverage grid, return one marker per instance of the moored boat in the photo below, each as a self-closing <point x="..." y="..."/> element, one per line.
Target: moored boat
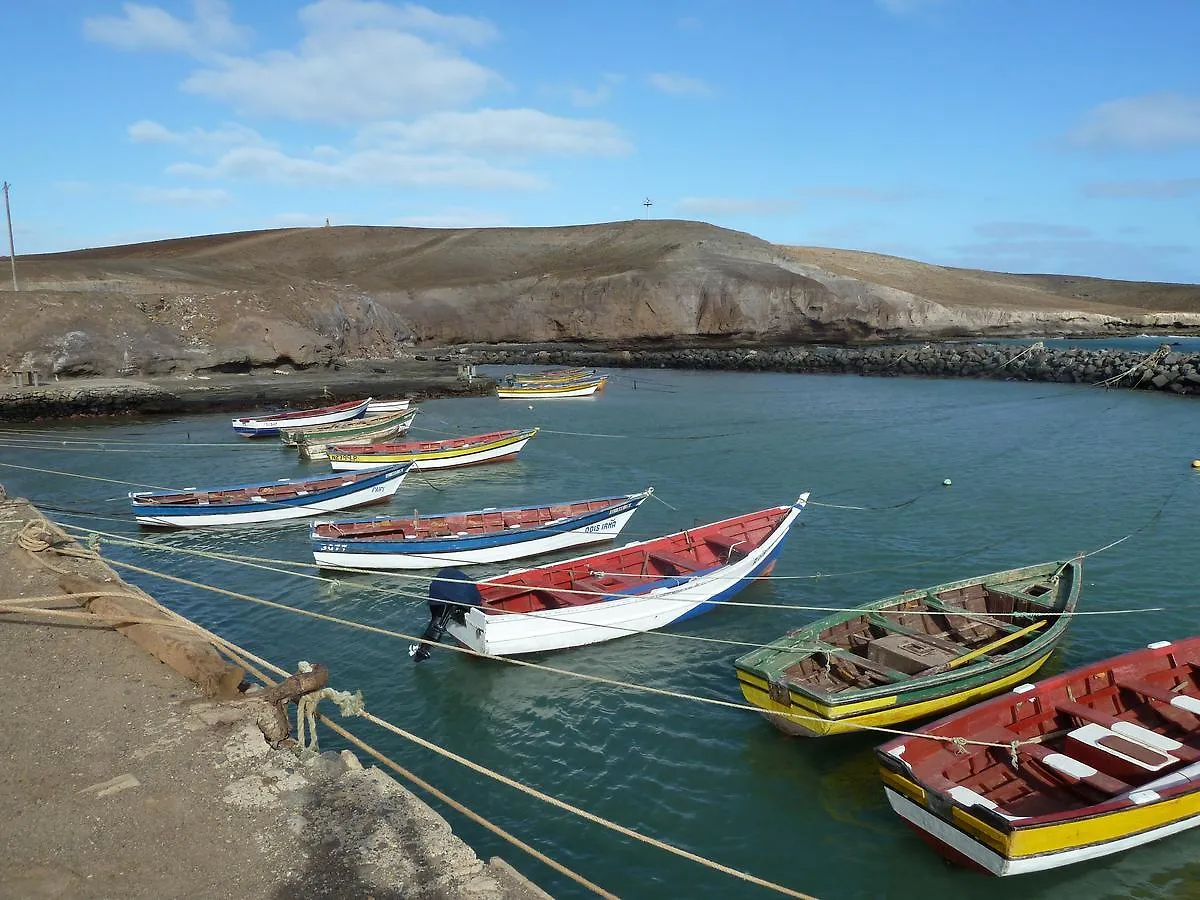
<point x="639" y="587"/>
<point x="917" y="654"/>
<point x="312" y="442"/>
<point x="385" y="407"/>
<point x="269" y="501"/>
<point x="551" y="390"/>
<point x="1094" y="761"/>
<point x="269" y="424"/>
<point x="465" y="538"/>
<point x="471" y="450"/>
<point x="573" y="373"/>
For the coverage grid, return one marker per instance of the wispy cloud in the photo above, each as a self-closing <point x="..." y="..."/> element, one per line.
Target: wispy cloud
<point x="183" y="196"/>
<point x="1006" y="231"/>
<point x="365" y="167"/>
<point x="153" y="28"/>
<point x="1161" y="189"/>
<point x="1089" y="255"/>
<point x="734" y="206"/>
<point x="1149" y="122"/>
<point x="680" y="85"/>
<point x="520" y="132"/>
<point x="598" y="95"/>
<point x="145" y="131"/>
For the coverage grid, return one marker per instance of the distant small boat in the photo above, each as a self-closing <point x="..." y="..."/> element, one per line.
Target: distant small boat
<point x="312" y="442"/>
<point x="384" y="407"/>
<point x="451" y="453"/>
<point x="573" y="373"/>
<point x="269" y="424"/>
<point x="268" y="501"/>
<point x="639" y="587"/>
<point x="1097" y="760"/>
<point x="551" y="390"/>
<point x="914" y="655"/>
<point x="465" y="538"/>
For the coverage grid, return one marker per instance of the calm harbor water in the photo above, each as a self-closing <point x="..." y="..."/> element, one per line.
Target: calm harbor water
<point x="1038" y="472"/>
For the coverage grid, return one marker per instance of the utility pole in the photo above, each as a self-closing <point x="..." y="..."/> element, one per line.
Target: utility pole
<point x="12" y="249"/>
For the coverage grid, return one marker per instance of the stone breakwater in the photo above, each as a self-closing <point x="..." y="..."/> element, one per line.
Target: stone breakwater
<point x="1166" y="371"/>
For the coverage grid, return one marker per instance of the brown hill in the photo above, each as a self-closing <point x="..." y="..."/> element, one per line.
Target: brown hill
<point x="308" y="296"/>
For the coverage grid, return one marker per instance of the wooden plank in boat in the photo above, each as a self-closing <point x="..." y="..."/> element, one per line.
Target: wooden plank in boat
<point x="678" y="560"/>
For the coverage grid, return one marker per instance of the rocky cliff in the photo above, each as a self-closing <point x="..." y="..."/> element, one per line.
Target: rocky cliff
<point x="305" y="297"/>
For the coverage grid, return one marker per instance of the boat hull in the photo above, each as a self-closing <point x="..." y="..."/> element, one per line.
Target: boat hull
<point x="805" y="717"/>
<point x="378" y="490"/>
<point x="435" y="553"/>
<point x="549" y="391"/>
<point x="384" y="407"/>
<point x="617" y="615"/>
<point x="444" y="459"/>
<point x="271" y="425"/>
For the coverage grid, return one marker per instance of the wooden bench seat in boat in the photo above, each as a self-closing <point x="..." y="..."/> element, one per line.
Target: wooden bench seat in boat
<point x="982" y="618"/>
<point x="727" y="543"/>
<point x="1185" y="702"/>
<point x="555" y="599"/>
<point x="1131" y="730"/>
<point x="880" y="619"/>
<point x="1114" y="754"/>
<point x="681" y="563"/>
<point x="848" y="657"/>
<point x="1070" y="770"/>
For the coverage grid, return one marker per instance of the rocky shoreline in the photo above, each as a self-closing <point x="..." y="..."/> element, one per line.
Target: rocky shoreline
<point x="1163" y="370"/>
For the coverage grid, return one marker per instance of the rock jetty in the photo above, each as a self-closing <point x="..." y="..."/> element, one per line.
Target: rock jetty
<point x="1163" y="370"/>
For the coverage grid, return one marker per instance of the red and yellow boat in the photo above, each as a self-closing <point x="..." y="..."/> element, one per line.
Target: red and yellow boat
<point x="1095" y="761"/>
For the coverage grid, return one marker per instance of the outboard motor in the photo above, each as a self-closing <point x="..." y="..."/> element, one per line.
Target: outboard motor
<point x="450" y="594"/>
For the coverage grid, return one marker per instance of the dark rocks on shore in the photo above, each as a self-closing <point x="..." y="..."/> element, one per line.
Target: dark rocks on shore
<point x="1173" y="372"/>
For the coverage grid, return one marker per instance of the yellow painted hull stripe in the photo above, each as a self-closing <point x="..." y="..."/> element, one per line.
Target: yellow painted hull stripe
<point x="882" y="711"/>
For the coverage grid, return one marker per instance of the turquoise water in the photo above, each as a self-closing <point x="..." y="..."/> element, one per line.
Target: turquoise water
<point x="1038" y="472"/>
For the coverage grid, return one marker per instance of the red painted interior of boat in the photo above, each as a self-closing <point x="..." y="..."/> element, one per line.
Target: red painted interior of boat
<point x="276" y="492"/>
<point x="1136" y="689"/>
<point x="632" y="569"/>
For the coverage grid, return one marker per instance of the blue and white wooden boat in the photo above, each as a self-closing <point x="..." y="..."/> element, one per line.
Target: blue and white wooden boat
<point x="269" y="501"/>
<point x="466" y="538"/>
<point x="269" y="424"/>
<point x="640" y="587"/>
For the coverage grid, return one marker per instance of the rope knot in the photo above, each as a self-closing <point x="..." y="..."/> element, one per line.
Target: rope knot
<point x="960" y="745"/>
<point x="1012" y="753"/>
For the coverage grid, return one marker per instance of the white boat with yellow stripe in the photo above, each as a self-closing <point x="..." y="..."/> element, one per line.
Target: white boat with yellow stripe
<point x="472" y="450"/>
<point x="1097" y="760"/>
<point x="551" y="390"/>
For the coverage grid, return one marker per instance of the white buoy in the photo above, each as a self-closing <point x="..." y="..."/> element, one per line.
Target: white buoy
<point x="947" y="482"/>
<point x="531" y="406"/>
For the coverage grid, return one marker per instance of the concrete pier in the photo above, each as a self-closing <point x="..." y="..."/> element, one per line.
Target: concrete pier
<point x="121" y="779"/>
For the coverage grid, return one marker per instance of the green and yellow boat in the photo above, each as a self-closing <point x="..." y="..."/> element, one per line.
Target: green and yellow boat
<point x="915" y="655"/>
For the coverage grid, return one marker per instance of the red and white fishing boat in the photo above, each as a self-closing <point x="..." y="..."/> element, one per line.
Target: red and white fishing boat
<point x="639" y="587"/>
<point x="269" y="424"/>
<point x="1094" y="761"/>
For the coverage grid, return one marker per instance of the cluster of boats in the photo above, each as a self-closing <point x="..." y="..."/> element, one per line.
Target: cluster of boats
<point x="1083" y="764"/>
<point x="551" y="385"/>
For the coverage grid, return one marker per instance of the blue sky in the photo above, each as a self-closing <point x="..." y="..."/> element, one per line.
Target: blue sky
<point x="1012" y="135"/>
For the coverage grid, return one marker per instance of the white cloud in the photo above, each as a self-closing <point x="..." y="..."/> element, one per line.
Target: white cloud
<point x="183" y="196"/>
<point x="679" y="85"/>
<point x="1149" y="122"/>
<point x="859" y="193"/>
<point x="366" y="167"/>
<point x="733" y="206"/>
<point x="504" y="131"/>
<point x="145" y="131"/>
<point x="1010" y="231"/>
<point x="333" y="15"/>
<point x="153" y="28"/>
<point x="357" y="62"/>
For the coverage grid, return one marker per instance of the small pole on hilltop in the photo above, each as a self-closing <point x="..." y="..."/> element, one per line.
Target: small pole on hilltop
<point x="12" y="248"/>
<point x="647" y="203"/>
